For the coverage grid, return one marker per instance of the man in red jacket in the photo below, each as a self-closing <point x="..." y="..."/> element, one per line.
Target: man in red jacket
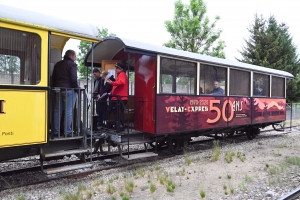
<point x="119" y="95"/>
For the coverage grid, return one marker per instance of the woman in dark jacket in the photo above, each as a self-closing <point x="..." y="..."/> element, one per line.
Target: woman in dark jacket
<point x="104" y="95"/>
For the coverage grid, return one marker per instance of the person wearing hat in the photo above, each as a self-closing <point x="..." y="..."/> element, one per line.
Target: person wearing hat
<point x="119" y="92"/>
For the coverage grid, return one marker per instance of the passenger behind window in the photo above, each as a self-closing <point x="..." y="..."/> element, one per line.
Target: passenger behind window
<point x="201" y="90"/>
<point x="217" y="90"/>
<point x="257" y="91"/>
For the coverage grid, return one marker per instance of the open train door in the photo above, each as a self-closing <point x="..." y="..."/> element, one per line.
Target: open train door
<point x="109" y="66"/>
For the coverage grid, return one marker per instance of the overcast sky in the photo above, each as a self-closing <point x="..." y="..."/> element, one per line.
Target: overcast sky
<point x="143" y="20"/>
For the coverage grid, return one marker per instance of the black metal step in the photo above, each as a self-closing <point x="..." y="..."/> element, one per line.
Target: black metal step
<point x="68" y="168"/>
<point x="139" y="155"/>
<point x="67" y="152"/>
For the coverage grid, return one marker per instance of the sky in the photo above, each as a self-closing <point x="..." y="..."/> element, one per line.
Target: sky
<point x="143" y="20"/>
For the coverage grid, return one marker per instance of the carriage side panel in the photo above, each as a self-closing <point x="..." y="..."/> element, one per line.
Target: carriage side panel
<point x="268" y="110"/>
<point x="190" y="113"/>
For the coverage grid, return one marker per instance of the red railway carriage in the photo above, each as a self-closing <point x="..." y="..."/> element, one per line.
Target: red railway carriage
<point x="172" y="92"/>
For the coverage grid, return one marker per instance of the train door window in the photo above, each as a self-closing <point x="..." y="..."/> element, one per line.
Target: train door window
<point x="20" y="57"/>
<point x="177" y="76"/>
<point x="278" y="87"/>
<point x="239" y="83"/>
<point x="213" y="79"/>
<point x="261" y="85"/>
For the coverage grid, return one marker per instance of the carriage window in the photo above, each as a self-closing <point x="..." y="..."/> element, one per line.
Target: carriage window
<point x="131" y="82"/>
<point x="278" y="87"/>
<point x="261" y="85"/>
<point x="177" y="76"/>
<point x="20" y="57"/>
<point x="239" y="83"/>
<point x="212" y="80"/>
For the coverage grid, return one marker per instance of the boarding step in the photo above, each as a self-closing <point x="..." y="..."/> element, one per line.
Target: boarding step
<point x="139" y="155"/>
<point x="68" y="168"/>
<point x="67" y="152"/>
<point x="75" y="137"/>
<point x="123" y="139"/>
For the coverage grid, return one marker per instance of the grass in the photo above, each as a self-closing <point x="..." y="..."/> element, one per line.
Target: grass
<point x="81" y="188"/>
<point x="202" y="193"/>
<point x="241" y="156"/>
<point x="141" y="172"/>
<point x="129" y="186"/>
<point x="229" y="156"/>
<point x="21" y="198"/>
<point x="224" y="187"/>
<point x="98" y="182"/>
<point x="276" y="174"/>
<point x="152" y="188"/>
<point x="110" y="189"/>
<point x="232" y="190"/>
<point x="157" y="168"/>
<point x="170" y="186"/>
<point x="293" y="160"/>
<point x="281" y="145"/>
<point x="243" y="187"/>
<point x="187" y="159"/>
<point x="181" y="173"/>
<point x="248" y="178"/>
<point x="216" y="151"/>
<point x="228" y="176"/>
<point x="124" y="196"/>
<point x="71" y="196"/>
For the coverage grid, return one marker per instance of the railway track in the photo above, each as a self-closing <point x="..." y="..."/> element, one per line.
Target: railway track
<point x="163" y="154"/>
<point x="292" y="195"/>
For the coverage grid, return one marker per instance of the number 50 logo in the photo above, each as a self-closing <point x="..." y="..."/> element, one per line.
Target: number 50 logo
<point x="219" y="113"/>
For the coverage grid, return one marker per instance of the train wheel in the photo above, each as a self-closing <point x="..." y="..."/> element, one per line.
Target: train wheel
<point x="159" y="144"/>
<point x="256" y="131"/>
<point x="175" y="145"/>
<point x="250" y="133"/>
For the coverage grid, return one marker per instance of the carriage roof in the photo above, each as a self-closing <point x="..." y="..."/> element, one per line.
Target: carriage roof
<point x="42" y="21"/>
<point x="110" y="46"/>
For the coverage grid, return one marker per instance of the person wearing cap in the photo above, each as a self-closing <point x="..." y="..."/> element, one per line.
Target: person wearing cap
<point x="102" y="97"/>
<point x="119" y="92"/>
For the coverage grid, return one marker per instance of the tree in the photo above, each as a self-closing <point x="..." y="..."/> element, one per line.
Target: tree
<point x="270" y="45"/>
<point x="84" y="47"/>
<point x="191" y="30"/>
<point x="9" y="65"/>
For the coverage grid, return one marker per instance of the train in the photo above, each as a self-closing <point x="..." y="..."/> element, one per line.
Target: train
<point x="171" y="97"/>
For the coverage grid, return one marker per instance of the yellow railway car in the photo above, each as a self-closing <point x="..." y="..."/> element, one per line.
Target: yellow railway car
<point x="30" y="44"/>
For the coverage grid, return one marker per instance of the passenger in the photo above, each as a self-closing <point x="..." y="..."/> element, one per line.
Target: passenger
<point x="119" y="92"/>
<point x="102" y="98"/>
<point x="98" y="86"/>
<point x="257" y="90"/>
<point x="217" y="90"/>
<point x="65" y="77"/>
<point x="201" y="90"/>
